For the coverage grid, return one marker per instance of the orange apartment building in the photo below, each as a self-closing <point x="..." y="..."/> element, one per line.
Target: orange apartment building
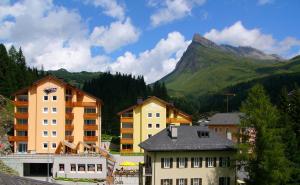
<point x="52" y="116"/>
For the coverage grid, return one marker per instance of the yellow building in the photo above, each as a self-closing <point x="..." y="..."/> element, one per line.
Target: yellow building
<point x="145" y="119"/>
<point x="52" y="116"/>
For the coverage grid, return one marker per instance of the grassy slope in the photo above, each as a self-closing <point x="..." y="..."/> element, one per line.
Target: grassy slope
<point x="212" y="70"/>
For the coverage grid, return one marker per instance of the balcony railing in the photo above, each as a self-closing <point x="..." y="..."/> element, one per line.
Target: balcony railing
<point x="21" y="126"/>
<point x="69" y="138"/>
<point x="126" y="150"/>
<point x="80" y="104"/>
<point x="20" y="103"/>
<point x="126" y="140"/>
<point x="69" y="115"/>
<point x="90" y="115"/>
<point x="127" y="130"/>
<point x="18" y="138"/>
<point x="127" y="119"/>
<point x="69" y="127"/>
<point x="178" y="120"/>
<point x="90" y="138"/>
<point x="90" y="127"/>
<point x="21" y="115"/>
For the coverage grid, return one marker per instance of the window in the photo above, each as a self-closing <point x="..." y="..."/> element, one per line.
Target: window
<point x="54" y="98"/>
<point x="196" y="162"/>
<point x="224" y="181"/>
<point x="211" y="162"/>
<point x="129" y="136"/>
<point x="89" y="110"/>
<point x="45" y="122"/>
<point x="22" y="121"/>
<point x="81" y="167"/>
<point x="89" y="133"/>
<point x="203" y="134"/>
<point x="61" y="167"/>
<point x="89" y="122"/>
<point x="69" y="110"/>
<point x="54" y="122"/>
<point x="166" y="162"/>
<point x="45" y="133"/>
<point x="22" y="147"/>
<point x="149" y="115"/>
<point x="157" y="115"/>
<point x="45" y="145"/>
<point x="53" y="145"/>
<point x="196" y="181"/>
<point x="182" y="162"/>
<point x="73" y="167"/>
<point x="149" y="125"/>
<point x="181" y="181"/>
<point x="99" y="167"/>
<point x="22" y="133"/>
<point x="68" y="133"/>
<point x="22" y="109"/>
<point x="45" y="98"/>
<point x="45" y="110"/>
<point x="91" y="167"/>
<point x="54" y="110"/>
<point x="216" y="129"/>
<point x="68" y="121"/>
<point x="149" y="135"/>
<point x="53" y="133"/>
<point x="166" y="181"/>
<point x="157" y="125"/>
<point x="224" y="161"/>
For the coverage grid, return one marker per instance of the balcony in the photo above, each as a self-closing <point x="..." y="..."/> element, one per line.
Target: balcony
<point x="69" y="127"/>
<point x="69" y="138"/>
<point x="20" y="103"/>
<point x="21" y="126"/>
<point x="90" y="127"/>
<point x="126" y="119"/>
<point x="90" y="138"/>
<point x="127" y="130"/>
<point x="178" y="120"/>
<point x="125" y="151"/>
<point x="21" y="115"/>
<point x="90" y="115"/>
<point x="80" y="104"/>
<point x="126" y="140"/>
<point x="69" y="115"/>
<point x="18" y="138"/>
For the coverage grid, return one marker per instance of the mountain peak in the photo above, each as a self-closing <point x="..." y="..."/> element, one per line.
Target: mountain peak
<point x="197" y="38"/>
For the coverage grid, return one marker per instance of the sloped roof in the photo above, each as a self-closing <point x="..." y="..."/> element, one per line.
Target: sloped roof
<point x="225" y="119"/>
<point x="15" y="180"/>
<point x="187" y="140"/>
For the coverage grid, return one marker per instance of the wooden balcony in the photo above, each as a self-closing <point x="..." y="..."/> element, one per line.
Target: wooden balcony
<point x="90" y="115"/>
<point x="178" y="120"/>
<point x="80" y="104"/>
<point x="20" y="103"/>
<point x="69" y="138"/>
<point x="21" y="126"/>
<point x="126" y="151"/>
<point x="90" y="127"/>
<point x="126" y="119"/>
<point x="18" y="138"/>
<point x="90" y="138"/>
<point x="127" y="130"/>
<point x="69" y="126"/>
<point x="21" y="115"/>
<point x="126" y="141"/>
<point x="69" y="115"/>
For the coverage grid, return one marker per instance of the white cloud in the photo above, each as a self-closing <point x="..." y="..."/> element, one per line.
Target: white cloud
<point x="170" y="10"/>
<point x="264" y="2"/>
<point x="238" y="35"/>
<point x="118" y="34"/>
<point x="154" y="63"/>
<point x="111" y="8"/>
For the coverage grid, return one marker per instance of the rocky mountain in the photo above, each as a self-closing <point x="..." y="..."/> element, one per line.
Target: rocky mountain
<point x="208" y="68"/>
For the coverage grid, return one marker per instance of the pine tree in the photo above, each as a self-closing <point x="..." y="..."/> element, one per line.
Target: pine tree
<point x="266" y="163"/>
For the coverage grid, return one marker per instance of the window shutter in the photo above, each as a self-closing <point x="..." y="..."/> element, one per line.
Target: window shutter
<point x="185" y="181"/>
<point x="206" y="162"/>
<point x="177" y="181"/>
<point x="162" y="162"/>
<point x="220" y="162"/>
<point x="162" y="182"/>
<point x="171" y="162"/>
<point x="200" y="181"/>
<point x="177" y="162"/>
<point x="228" y="162"/>
<point x="186" y="162"/>
<point x="215" y="161"/>
<point x="192" y="164"/>
<point x="200" y="162"/>
<point x="192" y="181"/>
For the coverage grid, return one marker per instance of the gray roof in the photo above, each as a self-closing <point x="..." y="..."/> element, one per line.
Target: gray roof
<point x="187" y="140"/>
<point x="15" y="180"/>
<point x="225" y="119"/>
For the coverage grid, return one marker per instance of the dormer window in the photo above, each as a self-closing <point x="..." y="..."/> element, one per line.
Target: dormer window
<point x="203" y="134"/>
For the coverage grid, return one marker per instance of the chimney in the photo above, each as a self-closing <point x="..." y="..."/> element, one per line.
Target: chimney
<point x="139" y="100"/>
<point x="173" y="130"/>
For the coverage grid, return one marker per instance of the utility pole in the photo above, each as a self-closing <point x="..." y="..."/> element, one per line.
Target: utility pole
<point x="227" y="100"/>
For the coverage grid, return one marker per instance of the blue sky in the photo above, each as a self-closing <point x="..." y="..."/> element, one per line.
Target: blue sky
<point x="142" y="37"/>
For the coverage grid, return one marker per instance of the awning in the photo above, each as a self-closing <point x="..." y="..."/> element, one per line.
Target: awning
<point x="128" y="163"/>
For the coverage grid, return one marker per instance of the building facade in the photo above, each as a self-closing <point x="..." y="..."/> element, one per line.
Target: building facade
<point x="188" y="156"/>
<point x="52" y="116"/>
<point x="145" y="119"/>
